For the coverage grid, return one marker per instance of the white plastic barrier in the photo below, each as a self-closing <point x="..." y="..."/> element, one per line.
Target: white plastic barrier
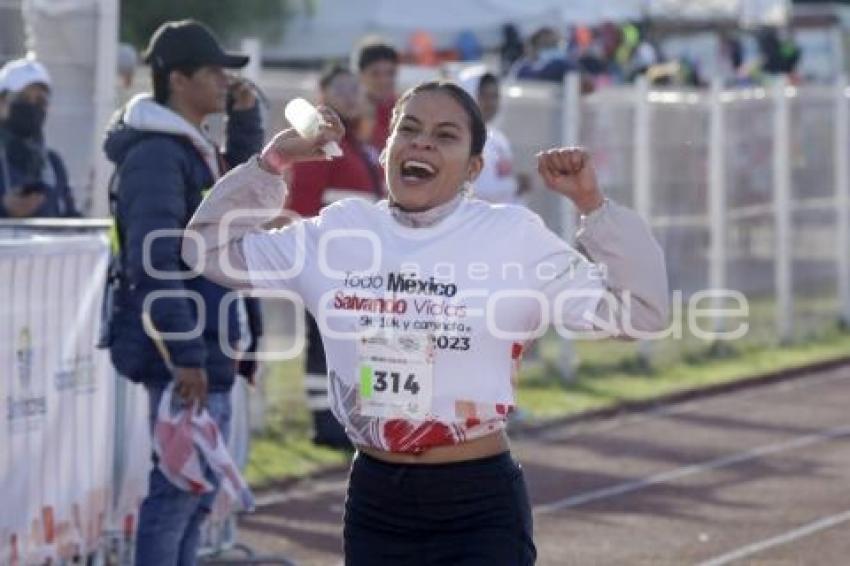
<point x="57" y="420"/>
<point x="131" y="466"/>
<point x="75" y="450"/>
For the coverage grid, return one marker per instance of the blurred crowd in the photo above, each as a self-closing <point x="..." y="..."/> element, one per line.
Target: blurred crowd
<point x="616" y="54"/>
<point x="33" y="180"/>
<point x="611" y="53"/>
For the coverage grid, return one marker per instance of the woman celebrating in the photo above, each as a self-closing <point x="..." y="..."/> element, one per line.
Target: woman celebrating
<point x="424" y="301"/>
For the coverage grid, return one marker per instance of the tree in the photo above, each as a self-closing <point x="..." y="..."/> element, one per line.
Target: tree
<point x="228" y="18"/>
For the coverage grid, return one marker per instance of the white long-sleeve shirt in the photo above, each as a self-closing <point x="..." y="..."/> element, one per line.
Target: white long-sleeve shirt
<point x="458" y="299"/>
<point x="497" y="182"/>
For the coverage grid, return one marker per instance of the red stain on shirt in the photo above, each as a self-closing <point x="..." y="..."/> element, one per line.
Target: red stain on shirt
<point x="404" y="436"/>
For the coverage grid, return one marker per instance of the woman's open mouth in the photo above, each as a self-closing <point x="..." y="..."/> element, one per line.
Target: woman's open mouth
<point x="415" y="172"/>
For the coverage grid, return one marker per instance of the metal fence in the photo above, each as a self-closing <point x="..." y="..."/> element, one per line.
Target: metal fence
<point x="745" y="189"/>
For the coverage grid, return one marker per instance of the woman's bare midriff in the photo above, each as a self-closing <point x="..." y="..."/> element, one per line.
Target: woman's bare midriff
<point x="490" y="445"/>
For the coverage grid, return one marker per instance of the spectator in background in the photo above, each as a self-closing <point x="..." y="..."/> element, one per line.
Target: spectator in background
<point x="164" y="165"/>
<point x="422" y="49"/>
<point x="377" y="66"/>
<point x="593" y="61"/>
<point x="468" y="46"/>
<point x="579" y="41"/>
<point x="644" y="57"/>
<point x="779" y="53"/>
<point x="128" y="60"/>
<point x="512" y="48"/>
<point x="33" y="178"/>
<point x="315" y="184"/>
<point x="629" y="35"/>
<point x="498" y="182"/>
<point x="682" y="72"/>
<point x="731" y="55"/>
<point x="546" y="59"/>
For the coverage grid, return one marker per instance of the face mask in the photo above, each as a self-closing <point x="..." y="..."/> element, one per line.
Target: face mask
<point x="26" y="119"/>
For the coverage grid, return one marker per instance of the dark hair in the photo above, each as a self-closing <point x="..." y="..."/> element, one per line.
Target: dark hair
<point x="159" y="78"/>
<point x="371" y="53"/>
<point x="469" y="105"/>
<point x="487" y="78"/>
<point x="539" y="34"/>
<point x="330" y="73"/>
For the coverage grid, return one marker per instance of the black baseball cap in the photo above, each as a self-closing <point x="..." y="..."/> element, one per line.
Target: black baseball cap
<point x="188" y="42"/>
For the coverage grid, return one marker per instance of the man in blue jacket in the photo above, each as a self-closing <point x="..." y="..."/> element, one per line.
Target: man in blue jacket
<point x="33" y="179"/>
<point x="164" y="164"/>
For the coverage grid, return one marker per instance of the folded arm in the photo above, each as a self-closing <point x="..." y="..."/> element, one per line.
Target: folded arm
<point x="241" y="202"/>
<point x="244" y="201"/>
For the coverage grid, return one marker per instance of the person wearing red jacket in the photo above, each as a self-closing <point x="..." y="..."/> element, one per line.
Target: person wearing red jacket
<point x="316" y="184"/>
<point x="377" y="66"/>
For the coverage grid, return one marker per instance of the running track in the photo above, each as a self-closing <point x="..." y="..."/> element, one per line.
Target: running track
<point x="758" y="476"/>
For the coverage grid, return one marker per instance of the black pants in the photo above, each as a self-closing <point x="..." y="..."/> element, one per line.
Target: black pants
<point x="467" y="513"/>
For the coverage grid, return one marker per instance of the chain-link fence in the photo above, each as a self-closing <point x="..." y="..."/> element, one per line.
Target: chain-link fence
<point x="743" y="192"/>
<point x="743" y="188"/>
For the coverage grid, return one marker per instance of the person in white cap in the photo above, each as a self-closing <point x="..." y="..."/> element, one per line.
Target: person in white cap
<point x="33" y="178"/>
<point x="498" y="182"/>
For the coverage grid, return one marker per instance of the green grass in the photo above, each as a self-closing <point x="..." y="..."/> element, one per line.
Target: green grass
<point x="284" y="449"/>
<point x="607" y="373"/>
<point x="275" y="459"/>
<point x="543" y="394"/>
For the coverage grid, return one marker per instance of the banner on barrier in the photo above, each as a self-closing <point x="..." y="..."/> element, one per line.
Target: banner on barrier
<point x="56" y="390"/>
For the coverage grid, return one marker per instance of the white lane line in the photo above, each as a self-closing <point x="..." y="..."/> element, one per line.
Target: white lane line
<point x="693" y="469"/>
<point x="800" y="532"/>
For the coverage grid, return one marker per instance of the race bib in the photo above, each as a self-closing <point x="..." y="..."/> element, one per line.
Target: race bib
<point x="396" y="375"/>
